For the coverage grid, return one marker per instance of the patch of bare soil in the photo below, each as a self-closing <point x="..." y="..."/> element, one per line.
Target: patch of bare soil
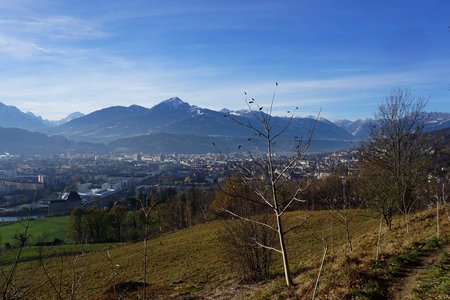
<point x="403" y="287"/>
<point x="236" y="291"/>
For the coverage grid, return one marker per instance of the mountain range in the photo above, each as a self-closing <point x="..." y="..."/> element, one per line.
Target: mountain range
<point x="360" y="128"/>
<point x="12" y="117"/>
<point x="174" y="116"/>
<point x="176" y="126"/>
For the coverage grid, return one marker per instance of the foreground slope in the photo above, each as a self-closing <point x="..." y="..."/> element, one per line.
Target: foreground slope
<point x="191" y="261"/>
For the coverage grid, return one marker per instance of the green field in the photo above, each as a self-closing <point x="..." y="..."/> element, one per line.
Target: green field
<point x="32" y="253"/>
<point x="41" y="229"/>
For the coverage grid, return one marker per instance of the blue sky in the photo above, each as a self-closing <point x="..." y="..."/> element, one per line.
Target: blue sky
<point x="343" y="56"/>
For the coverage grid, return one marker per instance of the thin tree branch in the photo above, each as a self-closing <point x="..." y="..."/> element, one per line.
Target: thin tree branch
<point x="251" y="220"/>
<point x="266" y="247"/>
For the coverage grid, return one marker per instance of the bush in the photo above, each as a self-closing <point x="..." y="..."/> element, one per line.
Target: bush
<point x="239" y="239"/>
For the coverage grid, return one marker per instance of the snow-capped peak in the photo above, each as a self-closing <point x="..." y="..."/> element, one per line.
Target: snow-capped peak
<point x="174" y="102"/>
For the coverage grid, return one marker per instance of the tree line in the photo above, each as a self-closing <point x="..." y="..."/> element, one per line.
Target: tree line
<point x="126" y="221"/>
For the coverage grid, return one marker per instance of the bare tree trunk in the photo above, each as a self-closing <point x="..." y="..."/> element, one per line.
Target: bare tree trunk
<point x="144" y="292"/>
<point x="444" y="200"/>
<point x="12" y="272"/>
<point x="437" y="219"/>
<point x="50" y="280"/>
<point x="113" y="273"/>
<point x="379" y="239"/>
<point x="407" y="222"/>
<point x="346" y="217"/>
<point x="332" y="238"/>
<point x="320" y="271"/>
<point x="277" y="212"/>
<point x="349" y="237"/>
<point x="148" y="202"/>
<point x="406" y="209"/>
<point x="283" y="251"/>
<point x="76" y="279"/>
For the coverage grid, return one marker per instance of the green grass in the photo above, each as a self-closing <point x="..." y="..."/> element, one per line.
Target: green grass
<point x="435" y="283"/>
<point x="48" y="228"/>
<point x="8" y="256"/>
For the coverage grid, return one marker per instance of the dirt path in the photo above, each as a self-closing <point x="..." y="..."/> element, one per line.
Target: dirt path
<point x="402" y="289"/>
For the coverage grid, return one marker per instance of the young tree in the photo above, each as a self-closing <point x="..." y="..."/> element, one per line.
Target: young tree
<point x="396" y="151"/>
<point x="439" y="187"/>
<point x="336" y="191"/>
<point x="148" y="203"/>
<point x="12" y="287"/>
<point x="374" y="189"/>
<point x="265" y="173"/>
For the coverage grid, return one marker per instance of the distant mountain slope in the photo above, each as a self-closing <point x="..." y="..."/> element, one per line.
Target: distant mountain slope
<point x="361" y="128"/>
<point x="20" y="141"/>
<point x="175" y="126"/>
<point x="70" y="117"/>
<point x="118" y="121"/>
<point x="11" y="116"/>
<point x="175" y="116"/>
<point x="99" y="124"/>
<point x="437" y="120"/>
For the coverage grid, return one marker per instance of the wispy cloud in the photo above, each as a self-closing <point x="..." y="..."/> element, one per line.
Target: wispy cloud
<point x="92" y="85"/>
<point x="27" y="31"/>
<point x="17" y="48"/>
<point x="58" y="57"/>
<point x="53" y="27"/>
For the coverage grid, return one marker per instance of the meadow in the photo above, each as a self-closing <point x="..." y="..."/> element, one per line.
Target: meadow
<point x="191" y="262"/>
<point x="41" y="229"/>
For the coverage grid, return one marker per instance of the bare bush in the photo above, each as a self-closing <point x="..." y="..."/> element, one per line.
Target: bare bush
<point x="250" y="261"/>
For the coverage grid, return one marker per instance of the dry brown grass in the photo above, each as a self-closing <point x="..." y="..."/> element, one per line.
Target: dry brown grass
<point x="341" y="268"/>
<point x="190" y="262"/>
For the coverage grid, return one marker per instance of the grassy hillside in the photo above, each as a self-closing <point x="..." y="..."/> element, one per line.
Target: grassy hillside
<point x="50" y="228"/>
<point x="33" y="253"/>
<point x="191" y="261"/>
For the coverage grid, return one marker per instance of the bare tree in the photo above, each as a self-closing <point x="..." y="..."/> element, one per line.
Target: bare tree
<point x="245" y="257"/>
<point x="64" y="286"/>
<point x="343" y="213"/>
<point x="265" y="173"/>
<point x="339" y="201"/>
<point x="113" y="267"/>
<point x="441" y="196"/>
<point x="8" y="288"/>
<point x="148" y="202"/>
<point x="396" y="149"/>
<point x="375" y="192"/>
<point x="325" y="251"/>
